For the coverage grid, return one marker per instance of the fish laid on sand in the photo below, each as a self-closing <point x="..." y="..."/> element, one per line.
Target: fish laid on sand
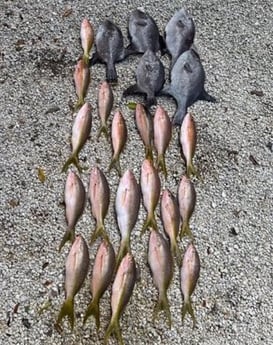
<point x="121" y="292"/>
<point x="188" y="139"/>
<point x="187" y="84"/>
<point x="144" y="123"/>
<point x="99" y="197"/>
<point x="74" y="199"/>
<point x="143" y="33"/>
<point x="186" y="201"/>
<point x="76" y="268"/>
<point x="150" y="189"/>
<point x="105" y="105"/>
<point x="150" y="78"/>
<point x="119" y="137"/>
<point x="189" y="275"/>
<point x="102" y="275"/>
<point x="127" y="206"/>
<point x="170" y="216"/>
<point x="161" y="264"/>
<point x="80" y="132"/>
<point x="87" y="38"/>
<point x="162" y="136"/>
<point x="109" y="49"/>
<point x="81" y="80"/>
<point x="179" y="34"/>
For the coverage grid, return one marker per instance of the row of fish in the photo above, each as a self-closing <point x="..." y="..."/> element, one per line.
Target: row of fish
<point x="155" y="131"/>
<point x="187" y="75"/>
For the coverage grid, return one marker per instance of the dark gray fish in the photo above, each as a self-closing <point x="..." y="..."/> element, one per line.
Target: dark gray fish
<point x="109" y="48"/>
<point x="143" y="33"/>
<point x="187" y="84"/>
<point x="150" y="78"/>
<point x="179" y="34"/>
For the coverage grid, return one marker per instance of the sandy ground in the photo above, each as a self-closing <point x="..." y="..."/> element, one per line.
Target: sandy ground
<point x="232" y="223"/>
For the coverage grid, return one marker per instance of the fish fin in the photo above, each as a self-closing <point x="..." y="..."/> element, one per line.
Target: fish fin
<point x="68" y="236"/>
<point x="204" y="96"/>
<point x="79" y="103"/>
<point x="99" y="231"/>
<point x="179" y="115"/>
<point x="187" y="308"/>
<point x="149" y="153"/>
<point x="161" y="165"/>
<point x="73" y="159"/>
<point x="149" y="223"/>
<point x="123" y="250"/>
<point x="131" y="90"/>
<point x="162" y="45"/>
<point x="111" y="74"/>
<point x="185" y="230"/>
<point x="113" y="327"/>
<point x="130" y="50"/>
<point x="115" y="163"/>
<point x="187" y="67"/>
<point x="163" y="304"/>
<point x="95" y="59"/>
<point x="150" y="100"/>
<point x="67" y="309"/>
<point x="93" y="309"/>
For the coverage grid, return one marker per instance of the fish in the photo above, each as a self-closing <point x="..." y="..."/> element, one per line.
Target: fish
<point x="170" y="216"/>
<point x="186" y="202"/>
<point x="188" y="139"/>
<point x="87" y="39"/>
<point x="99" y="197"/>
<point x="144" y="125"/>
<point x="161" y="265"/>
<point x="162" y="136"/>
<point x="143" y="33"/>
<point x="74" y="198"/>
<point x="121" y="292"/>
<point x="119" y="137"/>
<point x="80" y="132"/>
<point x="102" y="275"/>
<point x="150" y="78"/>
<point x="81" y="80"/>
<point x="105" y="105"/>
<point x="179" y="34"/>
<point x="127" y="207"/>
<point x="109" y="48"/>
<point x="189" y="274"/>
<point x="76" y="268"/>
<point x="187" y="84"/>
<point x="150" y="189"/>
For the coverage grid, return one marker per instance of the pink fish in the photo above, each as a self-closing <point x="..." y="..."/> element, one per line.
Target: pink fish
<point x="87" y="38"/>
<point x="81" y="81"/>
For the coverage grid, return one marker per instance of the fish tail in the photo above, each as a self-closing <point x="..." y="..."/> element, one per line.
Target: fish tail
<point x="79" y="103"/>
<point x="103" y="130"/>
<point x="150" y="222"/>
<point x="67" y="309"/>
<point x="99" y="231"/>
<point x="149" y="153"/>
<point x="163" y="304"/>
<point x="115" y="163"/>
<point x="161" y="165"/>
<point x="113" y="327"/>
<point x="73" y="159"/>
<point x="111" y="74"/>
<point x="93" y="309"/>
<point x="68" y="236"/>
<point x="185" y="230"/>
<point x="123" y="250"/>
<point x="191" y="170"/>
<point x="187" y="308"/>
<point x="176" y="251"/>
<point x="85" y="57"/>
